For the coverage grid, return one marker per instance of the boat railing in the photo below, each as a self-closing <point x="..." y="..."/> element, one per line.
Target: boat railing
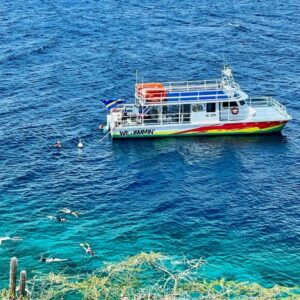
<point x="260" y="111"/>
<point x="160" y="98"/>
<point x="190" y="85"/>
<point x="194" y="85"/>
<point x="267" y="102"/>
<point x="261" y="103"/>
<point x="264" y="115"/>
<point x="153" y="119"/>
<point x="227" y="116"/>
<point x="182" y="86"/>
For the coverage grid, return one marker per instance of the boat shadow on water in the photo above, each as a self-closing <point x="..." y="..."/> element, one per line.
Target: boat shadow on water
<point x="267" y="139"/>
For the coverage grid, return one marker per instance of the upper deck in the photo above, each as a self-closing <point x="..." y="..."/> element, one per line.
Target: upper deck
<point x="185" y="92"/>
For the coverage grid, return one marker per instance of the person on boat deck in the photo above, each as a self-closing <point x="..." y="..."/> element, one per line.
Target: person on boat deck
<point x="50" y="260"/>
<point x="125" y="115"/>
<point x="140" y="109"/>
<point x="87" y="248"/>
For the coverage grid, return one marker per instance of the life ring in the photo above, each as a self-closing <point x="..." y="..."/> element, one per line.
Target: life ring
<point x="234" y="110"/>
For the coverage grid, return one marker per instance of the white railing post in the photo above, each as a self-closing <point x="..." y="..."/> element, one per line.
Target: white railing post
<point x="228" y="111"/>
<point x="180" y="115"/>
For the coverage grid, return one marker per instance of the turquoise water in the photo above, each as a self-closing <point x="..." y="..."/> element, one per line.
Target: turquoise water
<point x="232" y="200"/>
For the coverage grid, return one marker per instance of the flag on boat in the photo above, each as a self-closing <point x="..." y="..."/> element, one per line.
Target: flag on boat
<point x="111" y="103"/>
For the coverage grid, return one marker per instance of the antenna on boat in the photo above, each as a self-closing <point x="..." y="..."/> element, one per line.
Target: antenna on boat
<point x="227" y="77"/>
<point x="136" y="77"/>
<point x="225" y="64"/>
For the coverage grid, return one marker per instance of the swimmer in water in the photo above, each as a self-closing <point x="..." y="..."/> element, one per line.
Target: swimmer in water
<point x="50" y="259"/>
<point x="58" y="144"/>
<point x="7" y="238"/>
<point x="57" y="218"/>
<point x="87" y="248"/>
<point x="70" y="212"/>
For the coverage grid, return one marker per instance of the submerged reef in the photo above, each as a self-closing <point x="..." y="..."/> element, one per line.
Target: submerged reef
<point x="149" y="276"/>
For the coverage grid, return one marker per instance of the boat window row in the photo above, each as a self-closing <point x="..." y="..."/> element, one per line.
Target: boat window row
<point x="188" y="108"/>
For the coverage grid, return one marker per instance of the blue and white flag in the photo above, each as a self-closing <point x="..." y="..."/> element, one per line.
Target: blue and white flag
<point x="111" y="103"/>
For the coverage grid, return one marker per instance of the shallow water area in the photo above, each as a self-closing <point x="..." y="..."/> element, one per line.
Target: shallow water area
<point x="232" y="200"/>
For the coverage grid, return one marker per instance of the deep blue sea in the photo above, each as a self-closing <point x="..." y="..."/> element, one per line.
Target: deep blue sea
<point x="231" y="200"/>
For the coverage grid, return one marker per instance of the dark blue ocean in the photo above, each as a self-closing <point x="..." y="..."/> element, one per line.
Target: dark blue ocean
<point x="231" y="200"/>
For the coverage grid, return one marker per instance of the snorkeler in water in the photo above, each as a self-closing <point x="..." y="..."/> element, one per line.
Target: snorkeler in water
<point x="7" y="238"/>
<point x="57" y="218"/>
<point x="87" y="248"/>
<point x="70" y="212"/>
<point x="50" y="259"/>
<point x="58" y="144"/>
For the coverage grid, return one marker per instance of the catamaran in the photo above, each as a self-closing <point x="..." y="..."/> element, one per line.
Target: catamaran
<point x="194" y="108"/>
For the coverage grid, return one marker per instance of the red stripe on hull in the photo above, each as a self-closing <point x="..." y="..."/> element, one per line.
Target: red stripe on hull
<point x="235" y="126"/>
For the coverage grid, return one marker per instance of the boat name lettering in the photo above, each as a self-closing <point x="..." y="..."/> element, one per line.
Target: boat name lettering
<point x="137" y="132"/>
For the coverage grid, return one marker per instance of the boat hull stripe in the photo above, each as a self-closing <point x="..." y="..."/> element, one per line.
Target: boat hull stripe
<point x="225" y="129"/>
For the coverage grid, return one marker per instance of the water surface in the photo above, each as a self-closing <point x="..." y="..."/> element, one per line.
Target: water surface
<point x="232" y="200"/>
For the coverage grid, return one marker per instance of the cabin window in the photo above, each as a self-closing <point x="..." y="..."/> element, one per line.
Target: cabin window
<point x="186" y="108"/>
<point x="154" y="111"/>
<point x="173" y="109"/>
<point x="186" y="112"/>
<point x="225" y="104"/>
<point x="242" y="102"/>
<point x="233" y="104"/>
<point x="211" y="107"/>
